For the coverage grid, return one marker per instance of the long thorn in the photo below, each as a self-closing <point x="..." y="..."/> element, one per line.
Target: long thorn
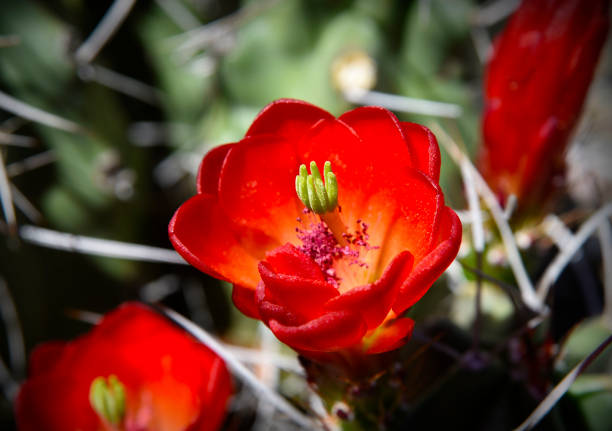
<point x="179" y="14"/>
<point x="7" y="383"/>
<point x="555" y="395"/>
<point x="399" y="103"/>
<point x="528" y="293"/>
<point x="16" y="140"/>
<point x="25" y="206"/>
<point x="97" y="246"/>
<point x="107" y="26"/>
<point x="17" y="107"/>
<point x="120" y="83"/>
<point x="562" y="259"/>
<point x="494" y="12"/>
<point x="240" y="370"/>
<point x="605" y="242"/>
<point x="10" y="319"/>
<point x="7" y="198"/>
<point x="30" y="163"/>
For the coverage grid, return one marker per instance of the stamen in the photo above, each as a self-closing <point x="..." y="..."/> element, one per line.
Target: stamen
<point x="301" y="187"/>
<point x="320" y="244"/>
<point x="331" y="184"/>
<point x="107" y="398"/>
<point x="318" y="196"/>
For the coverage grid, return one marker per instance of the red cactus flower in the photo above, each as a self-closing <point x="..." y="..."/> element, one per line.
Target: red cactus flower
<point x="334" y="264"/>
<point x="536" y="83"/>
<point x="134" y="371"/>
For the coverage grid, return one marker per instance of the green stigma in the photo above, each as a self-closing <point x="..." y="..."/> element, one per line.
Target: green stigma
<point x="107" y="397"/>
<point x="317" y="196"/>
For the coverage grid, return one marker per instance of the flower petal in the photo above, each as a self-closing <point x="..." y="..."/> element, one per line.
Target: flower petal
<point x="294" y="281"/>
<point x="382" y="134"/>
<point x="288" y="118"/>
<point x="289" y="260"/>
<point x="201" y="233"/>
<point x="332" y="331"/>
<point x="214" y="397"/>
<point x="244" y="299"/>
<point x="426" y="271"/>
<point x="45" y="356"/>
<point x="411" y="213"/>
<point x="271" y="311"/>
<point x="391" y="336"/>
<point x="210" y="170"/>
<point x="373" y="301"/>
<point x="425" y="149"/>
<point x="257" y="187"/>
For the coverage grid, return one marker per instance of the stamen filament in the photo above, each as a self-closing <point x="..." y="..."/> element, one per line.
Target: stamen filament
<point x="336" y="226"/>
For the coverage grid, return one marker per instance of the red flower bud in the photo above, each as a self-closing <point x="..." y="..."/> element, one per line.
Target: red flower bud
<point x="536" y="83"/>
<point x="338" y="276"/>
<point x="158" y="378"/>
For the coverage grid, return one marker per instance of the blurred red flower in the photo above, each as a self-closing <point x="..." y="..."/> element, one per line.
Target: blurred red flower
<point x="338" y="279"/>
<point x="536" y="83"/>
<point x="170" y="381"/>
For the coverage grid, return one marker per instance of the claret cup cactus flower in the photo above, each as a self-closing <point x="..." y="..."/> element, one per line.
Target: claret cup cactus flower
<point x="535" y="86"/>
<point x="135" y="371"/>
<point x="328" y="261"/>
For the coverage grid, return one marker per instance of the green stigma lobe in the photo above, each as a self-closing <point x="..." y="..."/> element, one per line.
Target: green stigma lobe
<point x="301" y="186"/>
<point x="332" y="189"/>
<point x="318" y="196"/>
<point x="321" y="193"/>
<point x="107" y="398"/>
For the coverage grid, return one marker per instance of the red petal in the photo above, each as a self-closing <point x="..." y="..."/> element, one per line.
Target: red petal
<point x="294" y="281"/>
<point x="374" y="301"/>
<point x="416" y="205"/>
<point x="257" y="188"/>
<point x="332" y="331"/>
<point x="382" y="134"/>
<point x="289" y="260"/>
<point x="392" y="336"/>
<point x="287" y="118"/>
<point x="271" y="311"/>
<point x="143" y="350"/>
<point x="55" y="403"/>
<point x="210" y="170"/>
<point x="425" y="149"/>
<point x="350" y="158"/>
<point x="244" y="299"/>
<point x="302" y="296"/>
<point x="201" y="233"/>
<point x="215" y="397"/>
<point x="431" y="267"/>
<point x="45" y="356"/>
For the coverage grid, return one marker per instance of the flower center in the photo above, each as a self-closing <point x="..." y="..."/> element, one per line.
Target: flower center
<point x="339" y="253"/>
<point x="317" y="196"/>
<point x="319" y="243"/>
<point x="107" y="398"/>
